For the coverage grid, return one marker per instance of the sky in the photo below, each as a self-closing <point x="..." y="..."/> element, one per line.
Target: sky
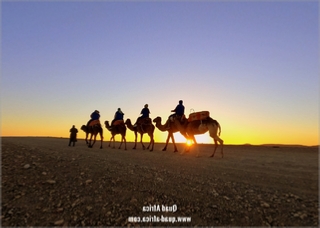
<point x="254" y="65"/>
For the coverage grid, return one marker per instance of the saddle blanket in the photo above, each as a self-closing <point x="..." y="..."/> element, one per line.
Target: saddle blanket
<point x="94" y="122"/>
<point x="118" y="122"/>
<point x="145" y="120"/>
<point x="198" y="115"/>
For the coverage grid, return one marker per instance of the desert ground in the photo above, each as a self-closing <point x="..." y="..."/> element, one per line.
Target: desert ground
<point x="47" y="183"/>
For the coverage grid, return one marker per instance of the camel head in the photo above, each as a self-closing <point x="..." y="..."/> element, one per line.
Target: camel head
<point x="106" y="123"/>
<point x="128" y="122"/>
<point x="157" y="119"/>
<point x="84" y="128"/>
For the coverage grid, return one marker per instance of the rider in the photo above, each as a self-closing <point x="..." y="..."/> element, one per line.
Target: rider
<point x="94" y="116"/>
<point x="179" y="110"/>
<point x="178" y="113"/>
<point x="117" y="116"/>
<point x="145" y="114"/>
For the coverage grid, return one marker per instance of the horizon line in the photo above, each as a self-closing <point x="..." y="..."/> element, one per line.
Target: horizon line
<point x="243" y="144"/>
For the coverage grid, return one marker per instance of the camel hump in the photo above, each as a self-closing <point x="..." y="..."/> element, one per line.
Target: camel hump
<point x="198" y="116"/>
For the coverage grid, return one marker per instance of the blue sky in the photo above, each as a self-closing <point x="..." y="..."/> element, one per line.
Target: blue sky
<point x="254" y="65"/>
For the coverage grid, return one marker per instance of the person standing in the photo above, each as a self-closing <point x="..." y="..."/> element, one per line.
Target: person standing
<point x="73" y="135"/>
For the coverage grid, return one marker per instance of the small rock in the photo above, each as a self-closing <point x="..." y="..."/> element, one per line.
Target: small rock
<point x="159" y="179"/>
<point x="59" y="222"/>
<point x="51" y="181"/>
<point x="88" y="181"/>
<point x="133" y="200"/>
<point x="227" y="198"/>
<point x="26" y="166"/>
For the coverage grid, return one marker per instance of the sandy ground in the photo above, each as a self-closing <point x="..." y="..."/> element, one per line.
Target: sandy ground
<point x="47" y="183"/>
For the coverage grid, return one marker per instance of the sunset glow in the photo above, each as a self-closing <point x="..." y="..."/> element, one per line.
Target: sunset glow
<point x="241" y="61"/>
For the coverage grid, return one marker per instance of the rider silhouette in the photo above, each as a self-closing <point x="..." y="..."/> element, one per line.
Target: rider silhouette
<point x="94" y="116"/>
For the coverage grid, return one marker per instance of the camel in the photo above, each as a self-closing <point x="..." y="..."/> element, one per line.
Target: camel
<point x="197" y="127"/>
<point x="117" y="129"/>
<point x="93" y="131"/>
<point x="171" y="130"/>
<point x="145" y="128"/>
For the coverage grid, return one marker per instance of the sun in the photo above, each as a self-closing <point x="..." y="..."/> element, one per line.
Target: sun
<point x="189" y="142"/>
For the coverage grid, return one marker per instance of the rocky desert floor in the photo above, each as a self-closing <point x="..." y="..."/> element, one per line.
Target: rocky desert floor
<point x="47" y="183"/>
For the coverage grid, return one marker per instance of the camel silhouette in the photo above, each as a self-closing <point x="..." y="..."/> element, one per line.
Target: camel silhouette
<point x="197" y="127"/>
<point x="93" y="131"/>
<point x="172" y="129"/>
<point x="117" y="129"/>
<point x="142" y="129"/>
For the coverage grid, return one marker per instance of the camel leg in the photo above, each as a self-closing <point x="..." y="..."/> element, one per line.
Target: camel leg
<point x="125" y="143"/>
<point x="120" y="142"/>
<point x="114" y="142"/>
<point x="110" y="141"/>
<point x="174" y="143"/>
<point x="187" y="148"/>
<point x="135" y="140"/>
<point x="94" y="140"/>
<point x="101" y="137"/>
<point x="87" y="138"/>
<point x="151" y="142"/>
<point x="123" y="139"/>
<point x="215" y="148"/>
<point x="216" y="140"/>
<point x="221" y="143"/>
<point x="90" y="146"/>
<point x="167" y="141"/>
<point x="196" y="144"/>
<point x="141" y="136"/>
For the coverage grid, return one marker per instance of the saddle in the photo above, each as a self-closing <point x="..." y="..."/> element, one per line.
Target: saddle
<point x="118" y="122"/>
<point x="198" y="116"/>
<point x="180" y="118"/>
<point x="144" y="121"/>
<point x="94" y="122"/>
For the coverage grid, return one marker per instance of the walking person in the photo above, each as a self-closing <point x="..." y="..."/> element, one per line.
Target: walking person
<point x="73" y="135"/>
